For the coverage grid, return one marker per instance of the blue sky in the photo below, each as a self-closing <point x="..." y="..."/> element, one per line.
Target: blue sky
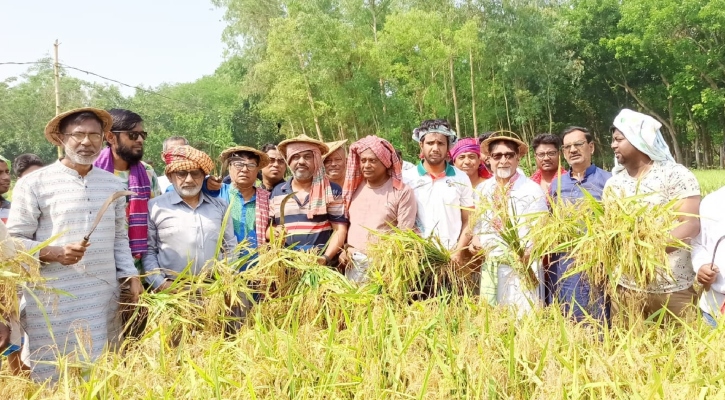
<point x="134" y="41"/>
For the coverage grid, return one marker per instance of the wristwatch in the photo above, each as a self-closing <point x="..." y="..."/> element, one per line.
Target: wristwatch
<point x="327" y="259"/>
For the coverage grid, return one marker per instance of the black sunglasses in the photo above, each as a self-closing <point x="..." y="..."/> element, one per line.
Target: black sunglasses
<point x="133" y="135"/>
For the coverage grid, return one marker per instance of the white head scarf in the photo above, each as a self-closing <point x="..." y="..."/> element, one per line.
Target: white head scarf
<point x="644" y="133"/>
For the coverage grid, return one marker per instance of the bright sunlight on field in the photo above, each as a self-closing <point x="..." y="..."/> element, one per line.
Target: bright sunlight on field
<point x="318" y="336"/>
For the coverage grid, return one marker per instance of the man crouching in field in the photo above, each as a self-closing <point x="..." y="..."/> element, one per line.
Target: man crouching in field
<point x="375" y="197"/>
<point x="62" y="201"/>
<point x="646" y="167"/>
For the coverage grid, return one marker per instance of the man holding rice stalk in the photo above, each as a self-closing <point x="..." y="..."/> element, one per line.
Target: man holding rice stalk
<point x="375" y="198"/>
<point x="60" y="203"/>
<point x="708" y="253"/>
<point x="443" y="192"/>
<point x="314" y="211"/>
<point x="646" y="168"/>
<point x="509" y="206"/>
<point x="185" y="224"/>
<point x="574" y="292"/>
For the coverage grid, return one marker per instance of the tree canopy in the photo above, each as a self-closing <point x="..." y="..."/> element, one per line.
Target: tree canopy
<point x="337" y="69"/>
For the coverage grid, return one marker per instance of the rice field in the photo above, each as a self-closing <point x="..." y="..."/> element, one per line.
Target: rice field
<point x="315" y="335"/>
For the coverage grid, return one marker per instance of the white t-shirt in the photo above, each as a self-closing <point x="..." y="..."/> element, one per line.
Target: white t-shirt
<point x="440" y="201"/>
<point x="526" y="200"/>
<point x="712" y="228"/>
<point x="664" y="182"/>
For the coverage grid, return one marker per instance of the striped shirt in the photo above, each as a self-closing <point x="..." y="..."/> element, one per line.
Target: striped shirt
<point x="56" y="200"/>
<point x="304" y="233"/>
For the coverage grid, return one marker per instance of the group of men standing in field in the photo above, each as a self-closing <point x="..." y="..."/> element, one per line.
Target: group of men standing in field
<point x="331" y="202"/>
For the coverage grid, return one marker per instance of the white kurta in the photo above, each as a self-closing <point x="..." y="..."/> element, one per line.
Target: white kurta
<point x="525" y="200"/>
<point x="58" y="201"/>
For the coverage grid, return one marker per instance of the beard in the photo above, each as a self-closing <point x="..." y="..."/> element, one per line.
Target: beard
<point x="302" y="175"/>
<point x="187" y="192"/>
<point x="126" y="153"/>
<point x="76" y="158"/>
<point x="504" y="173"/>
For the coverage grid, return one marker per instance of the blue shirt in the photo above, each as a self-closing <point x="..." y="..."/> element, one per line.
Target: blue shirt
<point x="571" y="189"/>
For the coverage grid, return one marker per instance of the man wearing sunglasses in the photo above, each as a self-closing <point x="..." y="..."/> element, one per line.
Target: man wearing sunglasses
<point x="510" y="198"/>
<point x="122" y="157"/>
<point x="574" y="293"/>
<point x="185" y="224"/>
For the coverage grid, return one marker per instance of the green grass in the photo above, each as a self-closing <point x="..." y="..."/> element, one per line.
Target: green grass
<point x="710" y="180"/>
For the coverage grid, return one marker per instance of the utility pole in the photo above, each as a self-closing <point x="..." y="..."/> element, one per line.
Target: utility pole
<point x="56" y="69"/>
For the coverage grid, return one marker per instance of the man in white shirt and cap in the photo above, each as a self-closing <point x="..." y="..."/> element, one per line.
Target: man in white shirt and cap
<point x="443" y="192"/>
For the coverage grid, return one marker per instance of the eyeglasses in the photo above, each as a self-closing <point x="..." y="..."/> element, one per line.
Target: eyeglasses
<point x="578" y="145"/>
<point x="279" y="161"/>
<point x="240" y="165"/>
<point x="542" y="155"/>
<point x="508" y="155"/>
<point x="195" y="174"/>
<point x="133" y="135"/>
<point x="81" y="136"/>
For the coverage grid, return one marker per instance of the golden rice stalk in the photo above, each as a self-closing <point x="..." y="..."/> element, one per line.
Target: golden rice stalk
<point x="402" y="263"/>
<point x="610" y="240"/>
<point x="498" y="212"/>
<point x="18" y="270"/>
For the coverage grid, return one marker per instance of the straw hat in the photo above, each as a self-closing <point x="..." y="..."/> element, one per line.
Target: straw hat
<point x="282" y="147"/>
<point x="523" y="147"/>
<point x="334" y="146"/>
<point x="263" y="158"/>
<point x="52" y="130"/>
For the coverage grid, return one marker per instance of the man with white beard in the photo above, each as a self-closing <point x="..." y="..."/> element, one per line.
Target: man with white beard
<point x="517" y="198"/>
<point x="185" y="224"/>
<point x="62" y="200"/>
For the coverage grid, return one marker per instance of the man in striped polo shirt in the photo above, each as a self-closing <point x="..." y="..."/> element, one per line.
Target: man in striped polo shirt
<point x="315" y="214"/>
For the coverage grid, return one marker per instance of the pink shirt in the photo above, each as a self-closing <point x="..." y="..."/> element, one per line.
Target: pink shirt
<point x="373" y="209"/>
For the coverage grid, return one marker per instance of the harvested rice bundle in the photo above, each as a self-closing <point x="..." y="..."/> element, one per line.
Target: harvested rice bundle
<point x="506" y="235"/>
<point x="402" y="262"/>
<point x="18" y="270"/>
<point x="612" y="240"/>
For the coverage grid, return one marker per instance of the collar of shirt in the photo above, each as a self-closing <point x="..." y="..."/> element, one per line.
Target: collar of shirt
<point x="591" y="169"/>
<point x="449" y="171"/>
<point x="252" y="200"/>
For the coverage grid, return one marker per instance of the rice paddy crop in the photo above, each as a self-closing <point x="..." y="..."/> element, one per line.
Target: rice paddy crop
<point x="315" y="335"/>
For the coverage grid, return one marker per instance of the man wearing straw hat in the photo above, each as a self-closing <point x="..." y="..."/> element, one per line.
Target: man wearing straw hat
<point x="185" y="224"/>
<point x="315" y="213"/>
<point x="334" y="162"/>
<point x="512" y="199"/>
<point x="60" y="202"/>
<point x="645" y="167"/>
<point x="443" y="192"/>
<point x="375" y="198"/>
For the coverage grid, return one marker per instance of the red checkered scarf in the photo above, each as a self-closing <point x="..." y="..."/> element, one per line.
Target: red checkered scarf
<point x="262" y="211"/>
<point x="321" y="192"/>
<point x="385" y="153"/>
